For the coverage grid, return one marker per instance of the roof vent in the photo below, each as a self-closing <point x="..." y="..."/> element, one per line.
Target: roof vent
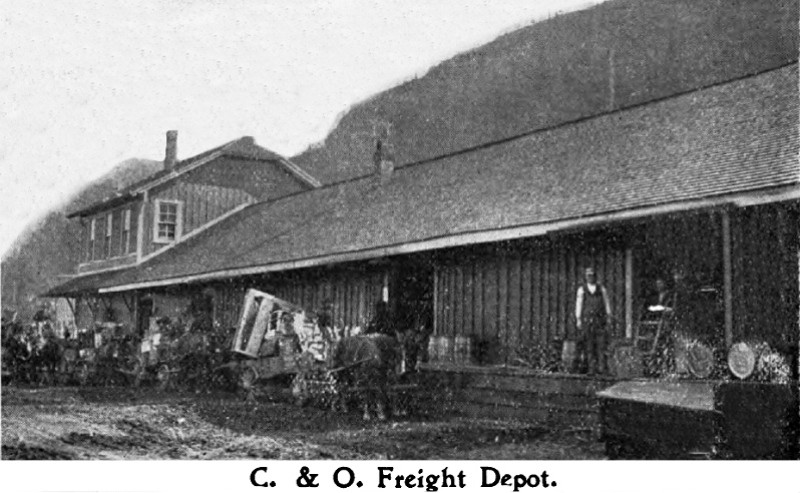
<point x="383" y="157"/>
<point x="171" y="155"/>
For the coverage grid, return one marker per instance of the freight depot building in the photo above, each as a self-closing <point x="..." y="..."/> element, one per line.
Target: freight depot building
<point x="489" y="242"/>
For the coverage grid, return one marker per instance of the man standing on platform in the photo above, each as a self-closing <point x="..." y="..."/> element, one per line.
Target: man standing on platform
<point x="592" y="312"/>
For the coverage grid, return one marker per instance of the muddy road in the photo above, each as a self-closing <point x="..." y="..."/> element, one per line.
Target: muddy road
<point x="123" y="423"/>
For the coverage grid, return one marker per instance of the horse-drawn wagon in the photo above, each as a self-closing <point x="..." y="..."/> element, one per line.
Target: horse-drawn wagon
<point x="173" y="352"/>
<point x="276" y="338"/>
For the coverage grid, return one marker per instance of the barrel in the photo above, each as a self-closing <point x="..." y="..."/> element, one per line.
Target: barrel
<point x="569" y="355"/>
<point x="445" y="350"/>
<point x="433" y="349"/>
<point x="462" y="350"/>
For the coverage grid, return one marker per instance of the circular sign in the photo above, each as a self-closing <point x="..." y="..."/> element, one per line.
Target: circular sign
<point x="700" y="360"/>
<point x="741" y="360"/>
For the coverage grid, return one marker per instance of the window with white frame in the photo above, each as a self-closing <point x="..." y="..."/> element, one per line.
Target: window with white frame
<point x="92" y="237"/>
<point x="109" y="230"/>
<point x="167" y="223"/>
<point x="125" y="247"/>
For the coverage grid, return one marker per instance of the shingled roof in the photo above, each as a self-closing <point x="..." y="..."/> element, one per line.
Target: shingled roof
<point x="731" y="138"/>
<point x="244" y="147"/>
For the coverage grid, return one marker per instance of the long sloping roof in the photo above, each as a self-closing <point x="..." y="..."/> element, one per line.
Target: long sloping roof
<point x="726" y="139"/>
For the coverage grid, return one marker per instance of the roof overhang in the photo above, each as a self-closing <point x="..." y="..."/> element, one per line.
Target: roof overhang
<point x="103" y="205"/>
<point x="743" y="199"/>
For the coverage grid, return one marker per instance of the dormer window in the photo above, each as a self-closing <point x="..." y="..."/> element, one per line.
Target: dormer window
<point x="168" y="221"/>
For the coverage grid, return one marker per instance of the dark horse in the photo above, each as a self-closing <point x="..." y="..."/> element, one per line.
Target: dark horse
<point x="367" y="365"/>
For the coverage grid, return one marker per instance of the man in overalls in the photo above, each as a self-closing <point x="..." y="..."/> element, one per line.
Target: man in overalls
<point x="592" y="311"/>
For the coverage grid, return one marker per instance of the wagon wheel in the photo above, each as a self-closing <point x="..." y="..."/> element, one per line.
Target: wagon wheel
<point x="248" y="377"/>
<point x="83" y="374"/>
<point x="163" y="376"/>
<point x="137" y="372"/>
<point x="300" y="391"/>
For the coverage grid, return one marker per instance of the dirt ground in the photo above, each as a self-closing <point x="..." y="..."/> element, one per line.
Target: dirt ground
<point x="124" y="423"/>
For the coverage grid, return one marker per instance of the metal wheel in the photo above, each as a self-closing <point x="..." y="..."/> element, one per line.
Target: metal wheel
<point x="137" y="373"/>
<point x="83" y="373"/>
<point x="247" y="378"/>
<point x="163" y="376"/>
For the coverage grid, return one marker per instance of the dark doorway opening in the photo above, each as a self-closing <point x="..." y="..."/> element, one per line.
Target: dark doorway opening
<point x="412" y="302"/>
<point x="143" y="316"/>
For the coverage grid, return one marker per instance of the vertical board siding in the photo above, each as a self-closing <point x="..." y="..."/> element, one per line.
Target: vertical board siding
<point x="469" y="299"/>
<point x="765" y="268"/>
<point x="478" y="295"/>
<point x="536" y="298"/>
<point x="201" y="203"/>
<point x="490" y="275"/>
<point x="502" y="302"/>
<point x="526" y="295"/>
<point x="545" y="282"/>
<point x="514" y="304"/>
<point x="353" y="294"/>
<point x="526" y="300"/>
<point x="437" y="301"/>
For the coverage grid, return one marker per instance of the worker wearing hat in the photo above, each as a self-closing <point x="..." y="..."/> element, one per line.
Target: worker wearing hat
<point x="592" y="312"/>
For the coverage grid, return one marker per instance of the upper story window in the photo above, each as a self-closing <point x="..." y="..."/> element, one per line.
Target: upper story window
<point x="125" y="247"/>
<point x="92" y="237"/>
<point x="167" y="223"/>
<point x="109" y="230"/>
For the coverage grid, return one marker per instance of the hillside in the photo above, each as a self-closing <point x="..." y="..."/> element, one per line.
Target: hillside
<point x="562" y="69"/>
<point x="51" y="246"/>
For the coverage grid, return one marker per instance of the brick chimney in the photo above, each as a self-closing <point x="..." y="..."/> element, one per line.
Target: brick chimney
<point x="383" y="157"/>
<point x="171" y="155"/>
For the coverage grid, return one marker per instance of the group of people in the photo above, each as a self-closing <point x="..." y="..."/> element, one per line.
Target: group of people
<point x="593" y="313"/>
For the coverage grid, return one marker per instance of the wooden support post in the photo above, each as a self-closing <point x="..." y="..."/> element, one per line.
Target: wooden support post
<point x="107" y="305"/>
<point x="128" y="300"/>
<point x="727" y="277"/>
<point x="629" y="292"/>
<point x="91" y="303"/>
<point x="73" y="309"/>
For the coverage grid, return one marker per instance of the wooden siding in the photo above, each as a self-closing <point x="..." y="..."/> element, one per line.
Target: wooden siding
<point x="263" y="180"/>
<point x="765" y="290"/>
<point x="354" y="293"/>
<point x="228" y="301"/>
<point x="201" y="203"/>
<point x="524" y="293"/>
<point x="513" y="393"/>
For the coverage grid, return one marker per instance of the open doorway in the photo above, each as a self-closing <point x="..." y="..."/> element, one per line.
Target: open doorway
<point x="412" y="302"/>
<point x="145" y="311"/>
<point x="682" y="256"/>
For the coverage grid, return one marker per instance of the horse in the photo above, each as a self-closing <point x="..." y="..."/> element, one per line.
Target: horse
<point x="45" y="357"/>
<point x="16" y="355"/>
<point x="369" y="364"/>
<point x="365" y="366"/>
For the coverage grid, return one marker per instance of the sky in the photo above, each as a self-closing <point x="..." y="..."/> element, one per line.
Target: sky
<point x="85" y="85"/>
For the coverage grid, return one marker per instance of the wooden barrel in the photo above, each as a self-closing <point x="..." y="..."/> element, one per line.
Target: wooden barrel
<point x="445" y="350"/>
<point x="569" y="355"/>
<point x="462" y="350"/>
<point x="433" y="349"/>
